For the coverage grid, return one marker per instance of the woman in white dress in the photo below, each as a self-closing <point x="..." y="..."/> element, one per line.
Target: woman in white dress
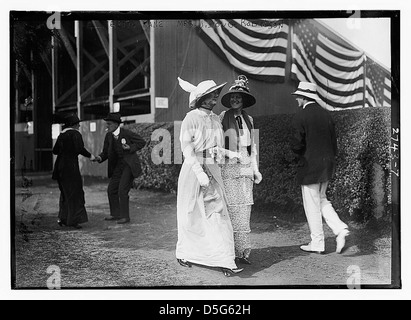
<point x="205" y="234"/>
<point x="239" y="176"/>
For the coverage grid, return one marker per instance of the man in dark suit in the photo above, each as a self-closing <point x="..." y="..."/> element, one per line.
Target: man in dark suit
<point x="314" y="142"/>
<point x="120" y="146"/>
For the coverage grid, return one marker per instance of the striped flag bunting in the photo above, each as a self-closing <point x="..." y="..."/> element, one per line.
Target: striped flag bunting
<point x="256" y="48"/>
<point x="338" y="71"/>
<point x="378" y="84"/>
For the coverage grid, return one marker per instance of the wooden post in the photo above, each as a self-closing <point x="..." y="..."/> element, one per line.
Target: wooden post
<point x="111" y="64"/>
<point x="16" y="87"/>
<point x="78" y="28"/>
<point x="54" y="73"/>
<point x="365" y="81"/>
<point x="152" y="74"/>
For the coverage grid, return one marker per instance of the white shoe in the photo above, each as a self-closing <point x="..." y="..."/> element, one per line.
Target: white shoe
<point x="307" y="248"/>
<point x="341" y="240"/>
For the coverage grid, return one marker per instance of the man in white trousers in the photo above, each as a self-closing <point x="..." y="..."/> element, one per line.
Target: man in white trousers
<point x="314" y="142"/>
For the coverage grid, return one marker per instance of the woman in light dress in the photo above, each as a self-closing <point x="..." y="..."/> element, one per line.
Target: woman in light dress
<point x="205" y="234"/>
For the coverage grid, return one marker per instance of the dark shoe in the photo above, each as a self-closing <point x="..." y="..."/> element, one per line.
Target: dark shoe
<point x="111" y="218"/>
<point x="228" y="272"/>
<point x="244" y="260"/>
<point x="60" y="223"/>
<point x="77" y="226"/>
<point x="184" y="263"/>
<point x="123" y="220"/>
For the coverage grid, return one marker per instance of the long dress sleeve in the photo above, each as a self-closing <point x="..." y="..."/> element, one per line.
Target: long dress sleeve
<point x="190" y="137"/>
<point x="79" y="145"/>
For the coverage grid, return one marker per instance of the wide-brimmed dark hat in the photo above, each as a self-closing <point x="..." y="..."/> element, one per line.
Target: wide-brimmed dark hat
<point x="113" y="116"/>
<point x="71" y="120"/>
<point x="239" y="86"/>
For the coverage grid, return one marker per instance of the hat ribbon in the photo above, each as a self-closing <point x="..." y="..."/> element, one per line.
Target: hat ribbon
<point x="186" y="86"/>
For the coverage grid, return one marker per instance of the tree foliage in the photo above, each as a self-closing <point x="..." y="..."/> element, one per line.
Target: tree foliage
<point x="31" y="40"/>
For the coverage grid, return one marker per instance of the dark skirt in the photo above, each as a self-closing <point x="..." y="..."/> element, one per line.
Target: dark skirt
<point x="72" y="209"/>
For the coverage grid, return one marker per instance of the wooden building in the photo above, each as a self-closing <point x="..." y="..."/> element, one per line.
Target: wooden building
<point x="98" y="66"/>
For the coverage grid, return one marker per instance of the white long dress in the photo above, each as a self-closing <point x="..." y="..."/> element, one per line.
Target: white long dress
<point x="205" y="234"/>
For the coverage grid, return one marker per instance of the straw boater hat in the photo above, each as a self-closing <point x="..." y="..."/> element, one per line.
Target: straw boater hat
<point x="308" y="90"/>
<point x="240" y="86"/>
<point x="199" y="91"/>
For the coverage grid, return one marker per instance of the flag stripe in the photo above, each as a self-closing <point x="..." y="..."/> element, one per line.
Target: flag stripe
<point x="338" y="51"/>
<point x="337" y="71"/>
<point x="237" y="57"/>
<point x="266" y="46"/>
<point x="324" y="79"/>
<point x="247" y="48"/>
<point x="378" y="84"/>
<point x="337" y="76"/>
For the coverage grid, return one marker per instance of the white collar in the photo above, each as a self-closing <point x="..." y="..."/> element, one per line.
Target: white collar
<point x="205" y="113"/>
<point x="310" y="102"/>
<point x="117" y="131"/>
<point x="67" y="129"/>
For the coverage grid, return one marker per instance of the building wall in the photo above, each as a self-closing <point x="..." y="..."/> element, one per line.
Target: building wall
<point x="23" y="152"/>
<point x="179" y="51"/>
<point x="93" y="142"/>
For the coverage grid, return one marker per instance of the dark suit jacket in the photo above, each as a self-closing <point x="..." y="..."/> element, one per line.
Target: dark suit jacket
<point x="130" y="157"/>
<point x="314" y="141"/>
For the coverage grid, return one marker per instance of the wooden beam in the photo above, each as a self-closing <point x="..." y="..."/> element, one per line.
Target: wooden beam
<point x="133" y="61"/>
<point x="85" y="78"/>
<point x="145" y="31"/>
<point x="99" y="30"/>
<point x="27" y="73"/>
<point x="131" y="75"/>
<point x="54" y="75"/>
<point x="88" y="54"/>
<point x="78" y="26"/>
<point x="127" y="56"/>
<point x="112" y="69"/>
<point x="16" y="91"/>
<point x="94" y="86"/>
<point x="67" y="44"/>
<point x="46" y="62"/>
<point x="94" y="61"/>
<point x="139" y="38"/>
<point x="60" y="99"/>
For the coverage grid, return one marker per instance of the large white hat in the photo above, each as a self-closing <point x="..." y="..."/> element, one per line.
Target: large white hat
<point x="196" y="92"/>
<point x="307" y="89"/>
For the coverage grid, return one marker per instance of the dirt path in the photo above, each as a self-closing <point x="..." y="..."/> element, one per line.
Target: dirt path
<point x="142" y="254"/>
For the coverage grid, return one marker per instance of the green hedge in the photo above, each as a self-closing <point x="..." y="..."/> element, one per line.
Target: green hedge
<point x="360" y="189"/>
<point x="162" y="176"/>
<point x="361" y="186"/>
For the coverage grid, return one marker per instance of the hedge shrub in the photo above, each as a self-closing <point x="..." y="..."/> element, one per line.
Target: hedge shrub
<point x="162" y="176"/>
<point x="362" y="179"/>
<point x="360" y="188"/>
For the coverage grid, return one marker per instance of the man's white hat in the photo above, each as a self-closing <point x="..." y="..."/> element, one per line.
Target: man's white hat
<point x="196" y="92"/>
<point x="307" y="89"/>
